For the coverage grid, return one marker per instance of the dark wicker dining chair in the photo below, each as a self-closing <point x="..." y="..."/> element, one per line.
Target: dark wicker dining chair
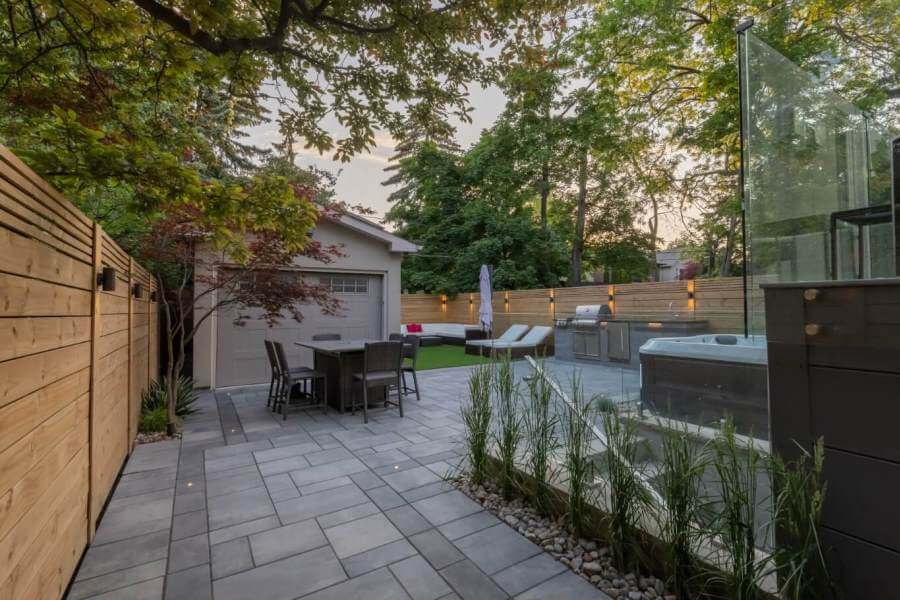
<point x="302" y="375"/>
<point x="382" y="362"/>
<point x="410" y="352"/>
<point x="275" y="382"/>
<point x="326" y="337"/>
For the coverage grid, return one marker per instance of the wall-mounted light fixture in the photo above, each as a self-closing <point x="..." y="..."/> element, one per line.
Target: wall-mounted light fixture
<point x="106" y="279"/>
<point x="692" y="303"/>
<point x="443" y="302"/>
<point x="153" y="296"/>
<point x="471" y="300"/>
<point x="137" y="289"/>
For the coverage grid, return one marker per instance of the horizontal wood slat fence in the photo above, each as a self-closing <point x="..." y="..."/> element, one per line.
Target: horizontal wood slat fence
<point x="718" y="301"/>
<point x="73" y="363"/>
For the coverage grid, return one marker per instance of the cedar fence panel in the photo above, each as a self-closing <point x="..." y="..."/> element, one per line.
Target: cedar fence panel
<point x="718" y="301"/>
<point x="73" y="363"/>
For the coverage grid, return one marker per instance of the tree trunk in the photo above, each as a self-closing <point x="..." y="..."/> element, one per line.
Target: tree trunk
<point x="725" y="265"/>
<point x="545" y="192"/>
<point x="578" y="242"/>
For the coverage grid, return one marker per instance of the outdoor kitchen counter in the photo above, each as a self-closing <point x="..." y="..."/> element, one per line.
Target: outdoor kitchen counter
<point x="619" y="339"/>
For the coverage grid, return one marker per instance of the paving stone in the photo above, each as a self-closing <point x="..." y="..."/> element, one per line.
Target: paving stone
<point x="436" y="548"/>
<point x="446" y="507"/>
<point x="361" y="535"/>
<point x="496" y="548"/>
<point x="100" y="560"/>
<point x="188" y="552"/>
<point x="366" y="480"/>
<point x="322" y="503"/>
<point x="328" y="456"/>
<point x="118" y="502"/>
<point x="142" y="483"/>
<point x="239" y="507"/>
<point x="407" y="520"/>
<point x="378" y="557"/>
<point x="385" y="497"/>
<point x="411" y="478"/>
<point x="419" y="580"/>
<point x="403" y="465"/>
<point x="325" y="472"/>
<point x="235" y="531"/>
<point x="147" y="590"/>
<point x="564" y="586"/>
<point x="377" y="585"/>
<point x="380" y="459"/>
<point x="186" y="503"/>
<point x="285" y="541"/>
<point x="231" y="450"/>
<point x="325" y="485"/>
<point x="188" y="524"/>
<point x="348" y="514"/>
<point x="472" y="584"/>
<point x="427" y="491"/>
<point x="190" y="584"/>
<point x="231" y="557"/>
<point x="292" y="439"/>
<point x="118" y="579"/>
<point x="228" y="462"/>
<point x="284" y="579"/>
<point x="283" y="465"/>
<point x="528" y="573"/>
<point x="237" y="482"/>
<point x="286" y="451"/>
<point x="463" y="527"/>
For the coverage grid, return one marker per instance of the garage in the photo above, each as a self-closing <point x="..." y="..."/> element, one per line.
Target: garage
<point x="364" y="277"/>
<point x="240" y="353"/>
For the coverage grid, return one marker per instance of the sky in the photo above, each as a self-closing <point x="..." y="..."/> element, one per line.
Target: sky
<point x="359" y="181"/>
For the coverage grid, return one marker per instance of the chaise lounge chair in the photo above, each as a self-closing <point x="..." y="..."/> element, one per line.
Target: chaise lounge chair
<point x="534" y="342"/>
<point x="513" y="334"/>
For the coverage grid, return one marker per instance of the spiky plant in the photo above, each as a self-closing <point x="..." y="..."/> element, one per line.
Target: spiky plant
<point x="540" y="424"/>
<point x="157" y="393"/>
<point x="737" y="466"/>
<point x="509" y="426"/>
<point x="476" y="414"/>
<point x="578" y="459"/>
<point x="798" y="556"/>
<point x="683" y="462"/>
<point x="627" y="496"/>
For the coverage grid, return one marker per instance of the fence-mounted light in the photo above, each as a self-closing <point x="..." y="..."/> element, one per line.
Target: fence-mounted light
<point x="153" y="296"/>
<point x="137" y="289"/>
<point x="106" y="279"/>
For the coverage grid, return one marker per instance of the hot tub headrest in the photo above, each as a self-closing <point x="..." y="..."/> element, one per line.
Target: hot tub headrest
<point x="726" y="340"/>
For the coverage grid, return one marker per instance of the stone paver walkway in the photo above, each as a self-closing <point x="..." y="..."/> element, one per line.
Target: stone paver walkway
<point x="320" y="506"/>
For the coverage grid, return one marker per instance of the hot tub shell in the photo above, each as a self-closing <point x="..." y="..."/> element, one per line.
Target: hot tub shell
<point x="699" y="380"/>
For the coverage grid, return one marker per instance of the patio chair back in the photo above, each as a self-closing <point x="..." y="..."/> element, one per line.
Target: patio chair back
<point x="382" y="356"/>
<point x="513" y="333"/>
<point x="273" y="359"/>
<point x="396" y="337"/>
<point x="281" y="357"/>
<point x="326" y="337"/>
<point x="411" y="348"/>
<point x="537" y="335"/>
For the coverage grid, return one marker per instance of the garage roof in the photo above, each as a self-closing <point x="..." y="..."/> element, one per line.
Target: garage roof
<point x="368" y="228"/>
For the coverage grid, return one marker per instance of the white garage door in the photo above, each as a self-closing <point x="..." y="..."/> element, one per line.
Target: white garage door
<point x="240" y="353"/>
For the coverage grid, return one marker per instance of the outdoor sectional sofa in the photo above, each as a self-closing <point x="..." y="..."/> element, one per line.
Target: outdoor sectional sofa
<point x="448" y="333"/>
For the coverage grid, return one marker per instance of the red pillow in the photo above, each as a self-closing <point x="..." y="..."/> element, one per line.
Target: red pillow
<point x="414" y="328"/>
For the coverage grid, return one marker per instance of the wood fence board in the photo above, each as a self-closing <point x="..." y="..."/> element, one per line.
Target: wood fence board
<point x="29" y="257"/>
<point x="24" y="297"/>
<point x="28" y="335"/>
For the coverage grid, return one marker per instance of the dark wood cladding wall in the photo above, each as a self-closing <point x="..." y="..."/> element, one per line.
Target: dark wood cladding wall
<point x="834" y="372"/>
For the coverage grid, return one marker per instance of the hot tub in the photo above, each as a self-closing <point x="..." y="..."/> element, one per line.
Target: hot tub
<point x="702" y="379"/>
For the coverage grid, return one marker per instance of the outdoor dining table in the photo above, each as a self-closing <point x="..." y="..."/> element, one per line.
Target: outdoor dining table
<point x="338" y="360"/>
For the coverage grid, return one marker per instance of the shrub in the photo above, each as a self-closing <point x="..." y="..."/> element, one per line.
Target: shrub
<point x="541" y="441"/>
<point x="578" y="459"/>
<point x="509" y="426"/>
<point x="800" y="495"/>
<point x="476" y="415"/>
<point x="153" y="421"/>
<point x="682" y="465"/>
<point x="628" y="497"/>
<point x="157" y="394"/>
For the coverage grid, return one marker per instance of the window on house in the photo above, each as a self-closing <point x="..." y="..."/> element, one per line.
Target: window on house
<point x="345" y="285"/>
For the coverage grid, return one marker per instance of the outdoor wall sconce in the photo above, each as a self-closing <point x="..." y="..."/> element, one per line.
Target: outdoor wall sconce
<point x="552" y="299"/>
<point x="107" y="279"/>
<point x="137" y="289"/>
<point x="690" y="294"/>
<point x="152" y="296"/>
<point x="610" y="297"/>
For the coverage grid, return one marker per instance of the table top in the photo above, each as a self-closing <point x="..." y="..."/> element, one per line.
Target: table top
<point x="336" y="346"/>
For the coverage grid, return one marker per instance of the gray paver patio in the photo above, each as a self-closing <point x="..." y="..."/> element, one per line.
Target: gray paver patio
<point x="319" y="507"/>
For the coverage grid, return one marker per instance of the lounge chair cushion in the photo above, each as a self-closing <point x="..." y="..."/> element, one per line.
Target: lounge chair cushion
<point x="513" y="333"/>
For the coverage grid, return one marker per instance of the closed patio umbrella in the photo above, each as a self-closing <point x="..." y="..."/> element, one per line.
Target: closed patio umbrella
<point x="485" y="309"/>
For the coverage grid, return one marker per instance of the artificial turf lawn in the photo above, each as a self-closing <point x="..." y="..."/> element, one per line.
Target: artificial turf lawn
<point x="445" y="355"/>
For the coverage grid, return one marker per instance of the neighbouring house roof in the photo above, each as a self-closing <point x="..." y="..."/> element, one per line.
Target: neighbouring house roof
<point x="372" y="230"/>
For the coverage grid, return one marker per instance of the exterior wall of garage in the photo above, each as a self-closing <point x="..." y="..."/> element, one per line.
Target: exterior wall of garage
<point x="363" y="254"/>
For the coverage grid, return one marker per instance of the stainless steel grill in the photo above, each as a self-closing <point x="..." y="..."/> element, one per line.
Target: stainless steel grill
<point x="587" y="331"/>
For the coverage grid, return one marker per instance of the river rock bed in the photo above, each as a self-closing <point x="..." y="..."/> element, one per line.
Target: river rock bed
<point x="590" y="559"/>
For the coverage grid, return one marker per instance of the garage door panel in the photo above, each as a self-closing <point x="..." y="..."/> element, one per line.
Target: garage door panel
<point x="240" y="352"/>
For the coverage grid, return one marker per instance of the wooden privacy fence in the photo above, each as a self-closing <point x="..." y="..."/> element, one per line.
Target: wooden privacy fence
<point x="718" y="301"/>
<point x="73" y="362"/>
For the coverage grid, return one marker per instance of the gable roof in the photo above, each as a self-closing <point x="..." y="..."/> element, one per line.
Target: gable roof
<point x="368" y="228"/>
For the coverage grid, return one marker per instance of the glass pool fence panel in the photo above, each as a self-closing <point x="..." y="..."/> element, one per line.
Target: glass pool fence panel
<point x="813" y="165"/>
